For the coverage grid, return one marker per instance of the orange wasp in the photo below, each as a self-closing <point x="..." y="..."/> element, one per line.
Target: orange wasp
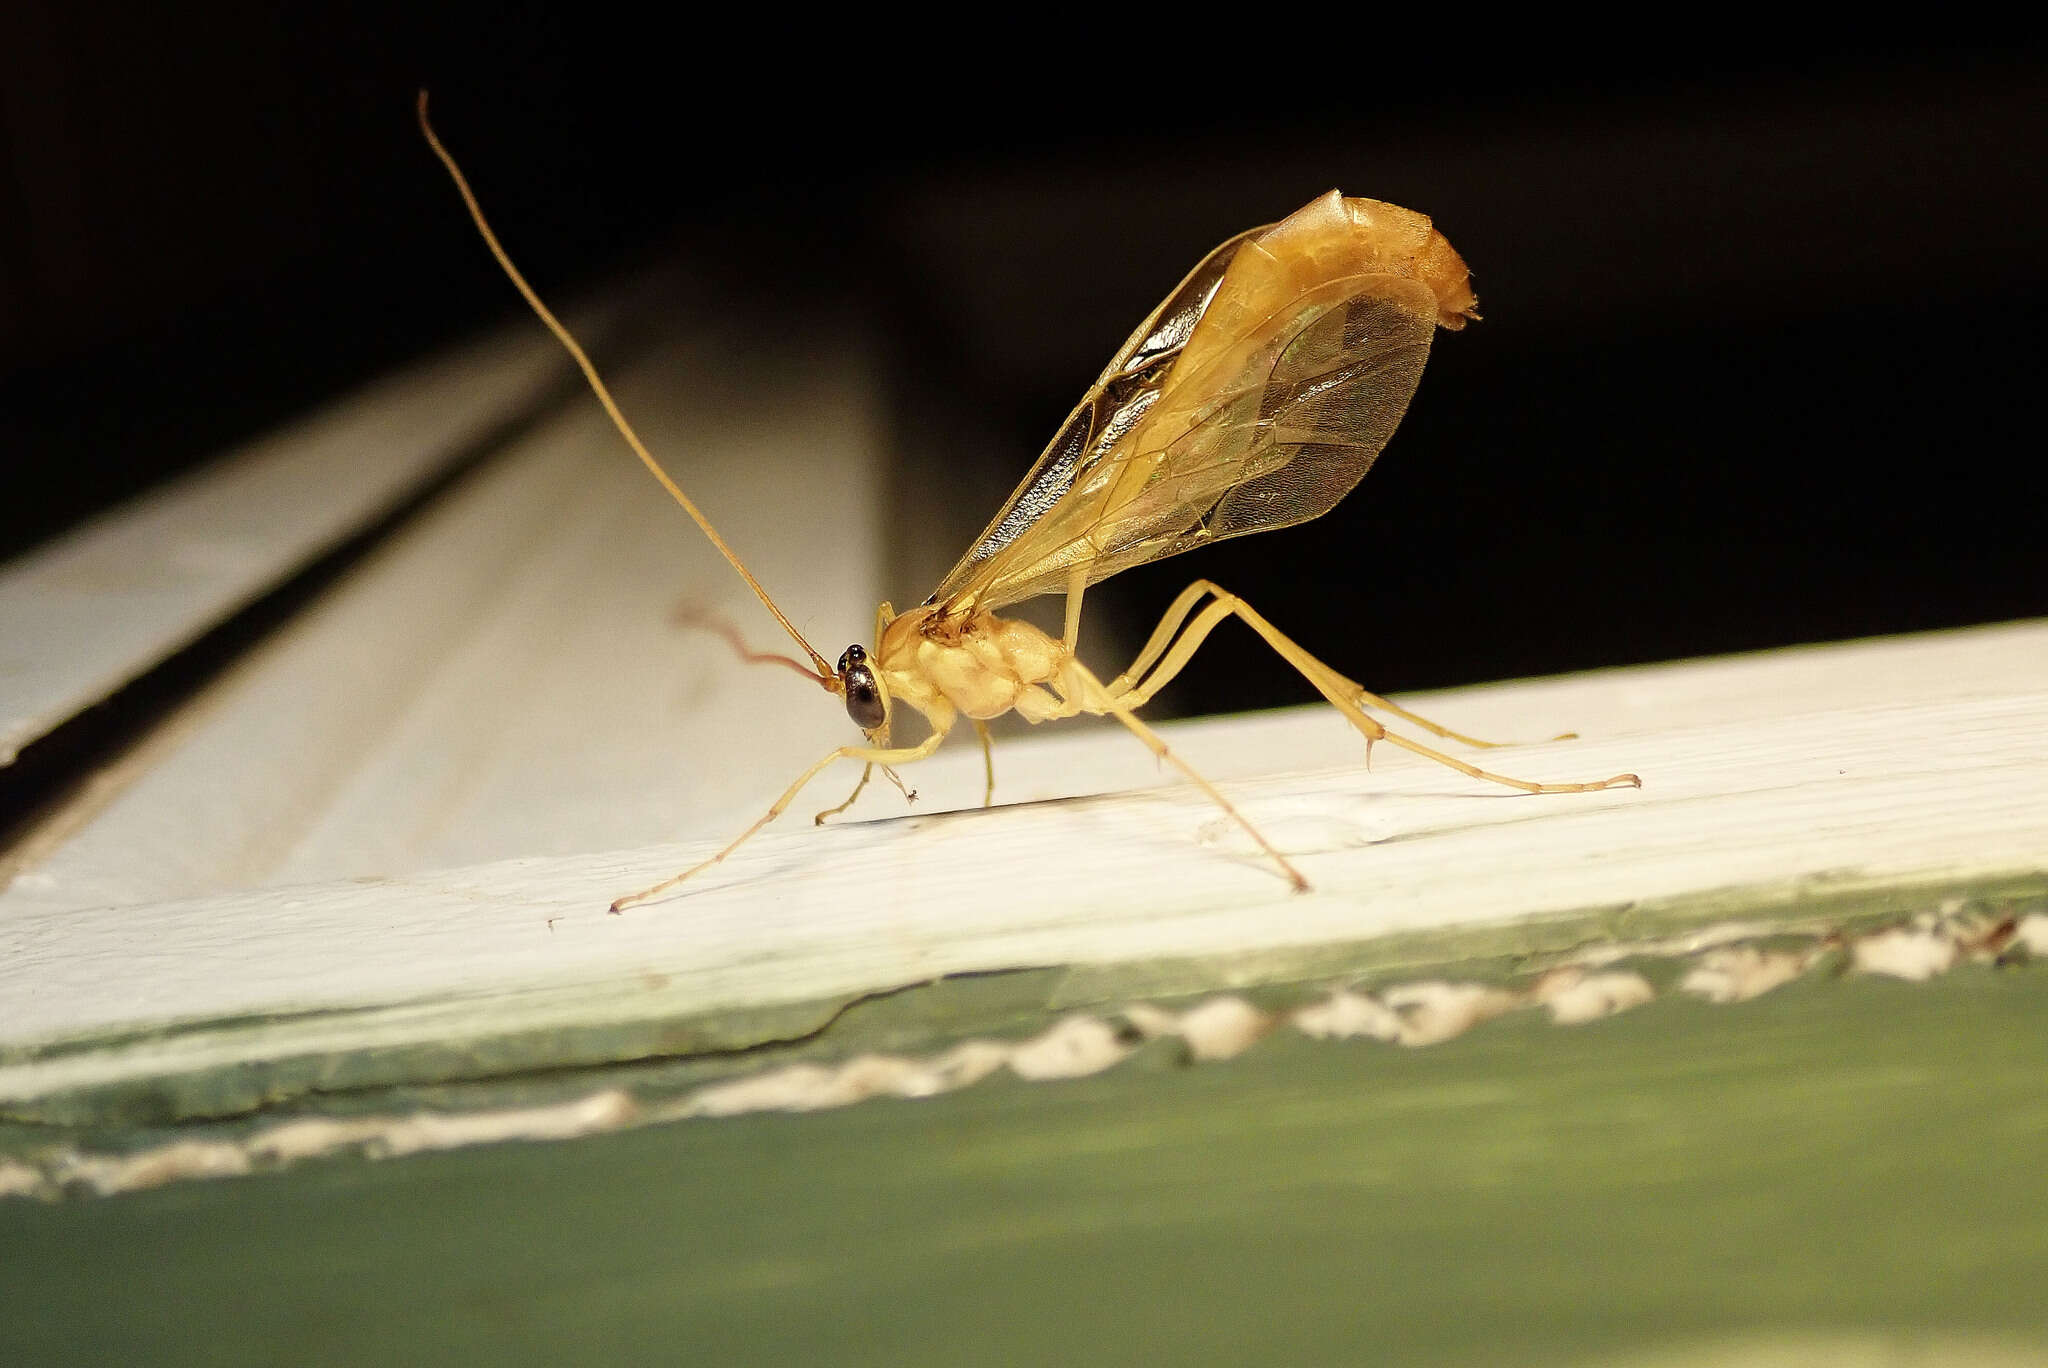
<point x="1254" y="397"/>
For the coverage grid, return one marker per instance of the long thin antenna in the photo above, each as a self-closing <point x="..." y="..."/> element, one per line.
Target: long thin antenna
<point x="604" y="395"/>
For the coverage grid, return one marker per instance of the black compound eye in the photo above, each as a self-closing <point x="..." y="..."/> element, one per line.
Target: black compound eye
<point x="863" y="697"/>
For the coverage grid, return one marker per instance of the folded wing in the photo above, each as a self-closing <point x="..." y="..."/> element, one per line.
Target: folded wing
<point x="1254" y="397"/>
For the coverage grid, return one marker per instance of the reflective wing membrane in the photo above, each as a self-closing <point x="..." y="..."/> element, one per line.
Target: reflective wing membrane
<point x="1119" y="396"/>
<point x="1254" y="397"/>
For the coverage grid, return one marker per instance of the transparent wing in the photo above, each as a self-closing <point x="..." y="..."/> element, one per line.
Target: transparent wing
<point x="1119" y="397"/>
<point x="1306" y="344"/>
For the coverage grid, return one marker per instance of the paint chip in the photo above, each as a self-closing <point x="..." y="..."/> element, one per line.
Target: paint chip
<point x="817" y="1087"/>
<point x="1737" y="973"/>
<point x="314" y="1136"/>
<point x="1072" y="1048"/>
<point x="20" y="1180"/>
<point x="786" y="1089"/>
<point x="966" y="1064"/>
<point x="1075" y="1047"/>
<point x="1345" y="1015"/>
<point x="1432" y="1012"/>
<point x="422" y="1131"/>
<point x="1574" y="997"/>
<point x="150" y="1168"/>
<point x="2030" y="933"/>
<point x="1914" y="953"/>
<point x="1217" y="1028"/>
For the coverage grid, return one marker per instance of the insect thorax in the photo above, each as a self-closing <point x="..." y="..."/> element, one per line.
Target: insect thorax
<point x="981" y="666"/>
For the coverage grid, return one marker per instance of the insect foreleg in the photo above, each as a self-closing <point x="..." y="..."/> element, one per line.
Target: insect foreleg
<point x="1090" y="695"/>
<point x="1343" y="694"/>
<point x="872" y="755"/>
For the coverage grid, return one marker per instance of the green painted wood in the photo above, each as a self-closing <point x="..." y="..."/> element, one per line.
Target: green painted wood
<point x="1845" y="1157"/>
<point x="659" y="1055"/>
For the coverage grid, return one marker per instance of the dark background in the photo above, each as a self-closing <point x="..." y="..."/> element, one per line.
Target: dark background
<point x="1760" y="364"/>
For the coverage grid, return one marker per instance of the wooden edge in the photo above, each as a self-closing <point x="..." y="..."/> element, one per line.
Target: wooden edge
<point x="105" y="603"/>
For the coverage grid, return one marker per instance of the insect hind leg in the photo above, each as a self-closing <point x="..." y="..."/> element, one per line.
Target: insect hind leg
<point x="1092" y="695"/>
<point x="1170" y="649"/>
<point x="1127" y="683"/>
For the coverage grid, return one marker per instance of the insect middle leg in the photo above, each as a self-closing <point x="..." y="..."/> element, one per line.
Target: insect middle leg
<point x="988" y="763"/>
<point x="872" y="755"/>
<point x="1168" y="651"/>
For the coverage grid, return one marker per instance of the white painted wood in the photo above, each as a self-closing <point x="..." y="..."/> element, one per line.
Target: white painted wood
<point x="1760" y="774"/>
<point x="503" y="678"/>
<point x="88" y="613"/>
<point x="1783" y="685"/>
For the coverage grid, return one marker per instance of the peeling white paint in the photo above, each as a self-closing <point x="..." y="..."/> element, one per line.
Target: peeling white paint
<point x="1911" y="953"/>
<point x="1574" y="996"/>
<point x="1345" y="1015"/>
<point x="20" y="1180"/>
<point x="2031" y="934"/>
<point x="1431" y="1013"/>
<point x="1421" y="1013"/>
<point x="150" y="1168"/>
<point x="1074" y="1048"/>
<point x="1738" y="973"/>
<point x="1217" y="1028"/>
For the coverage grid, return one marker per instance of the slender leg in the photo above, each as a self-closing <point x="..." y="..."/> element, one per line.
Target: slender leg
<point x="988" y="763"/>
<point x="1343" y="694"/>
<point x="870" y="754"/>
<point x="885" y="613"/>
<point x="1162" y="636"/>
<point x="1169" y="626"/>
<point x="866" y="772"/>
<point x="1092" y="696"/>
<point x="909" y="794"/>
<point x="1077" y="586"/>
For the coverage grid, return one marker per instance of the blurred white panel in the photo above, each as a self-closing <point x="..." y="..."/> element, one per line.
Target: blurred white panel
<point x="502" y="677"/>
<point x="88" y="613"/>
